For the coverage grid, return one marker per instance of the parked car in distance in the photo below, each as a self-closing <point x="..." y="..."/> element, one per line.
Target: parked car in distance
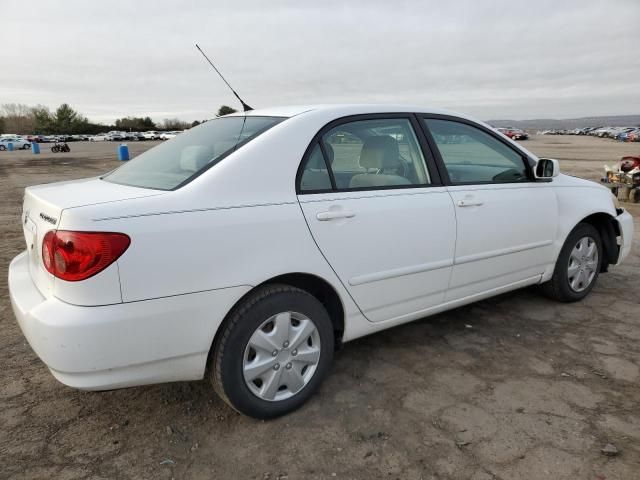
<point x="64" y="138"/>
<point x="248" y="248"/>
<point x="513" y="133"/>
<point x="101" y="137"/>
<point x="135" y="136"/>
<point x="151" y="135"/>
<point x="114" y="136"/>
<point x="17" y="142"/>
<point x="168" y="135"/>
<point x="633" y="135"/>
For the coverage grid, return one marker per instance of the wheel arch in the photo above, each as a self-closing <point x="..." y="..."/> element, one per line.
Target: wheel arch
<point x="322" y="290"/>
<point x="609" y="230"/>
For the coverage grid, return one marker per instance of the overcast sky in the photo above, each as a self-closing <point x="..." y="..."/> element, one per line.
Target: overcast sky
<point x="492" y="59"/>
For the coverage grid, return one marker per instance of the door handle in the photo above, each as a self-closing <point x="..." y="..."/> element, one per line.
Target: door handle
<point x="333" y="214"/>
<point x="469" y="203"/>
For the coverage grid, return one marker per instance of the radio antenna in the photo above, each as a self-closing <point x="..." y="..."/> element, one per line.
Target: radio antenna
<point x="245" y="107"/>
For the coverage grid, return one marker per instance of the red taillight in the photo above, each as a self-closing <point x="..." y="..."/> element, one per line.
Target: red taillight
<point x="74" y="256"/>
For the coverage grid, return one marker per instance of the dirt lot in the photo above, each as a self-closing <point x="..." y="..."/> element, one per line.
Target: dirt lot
<point x="511" y="388"/>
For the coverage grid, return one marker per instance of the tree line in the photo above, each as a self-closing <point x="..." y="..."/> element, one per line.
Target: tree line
<point x="23" y="119"/>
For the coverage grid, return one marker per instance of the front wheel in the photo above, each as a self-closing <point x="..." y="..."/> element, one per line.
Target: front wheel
<point x="578" y="265"/>
<point x="55" y="149"/>
<point x="273" y="352"/>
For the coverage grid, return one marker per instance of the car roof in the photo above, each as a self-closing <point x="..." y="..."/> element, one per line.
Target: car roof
<point x="340" y="110"/>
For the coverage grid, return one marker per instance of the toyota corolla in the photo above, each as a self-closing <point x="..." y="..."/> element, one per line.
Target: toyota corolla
<point x="247" y="249"/>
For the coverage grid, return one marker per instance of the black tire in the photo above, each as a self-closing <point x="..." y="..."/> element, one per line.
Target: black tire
<point x="2" y="148"/>
<point x="226" y="360"/>
<point x="559" y="288"/>
<point x="55" y="149"/>
<point x="26" y="146"/>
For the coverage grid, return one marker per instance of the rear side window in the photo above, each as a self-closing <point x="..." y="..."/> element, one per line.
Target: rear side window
<point x="315" y="176"/>
<point x="176" y="161"/>
<point x="473" y="156"/>
<point x="366" y="154"/>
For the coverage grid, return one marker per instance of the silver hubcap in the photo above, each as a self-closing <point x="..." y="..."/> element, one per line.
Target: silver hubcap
<point x="281" y="357"/>
<point x="583" y="264"/>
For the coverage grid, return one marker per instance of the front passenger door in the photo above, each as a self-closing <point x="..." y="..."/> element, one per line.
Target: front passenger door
<point x="506" y="222"/>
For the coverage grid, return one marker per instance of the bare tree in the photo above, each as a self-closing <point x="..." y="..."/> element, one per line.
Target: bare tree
<point x="18" y="118"/>
<point x="174" y="124"/>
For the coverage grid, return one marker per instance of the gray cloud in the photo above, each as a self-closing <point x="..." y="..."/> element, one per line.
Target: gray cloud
<point x="491" y="59"/>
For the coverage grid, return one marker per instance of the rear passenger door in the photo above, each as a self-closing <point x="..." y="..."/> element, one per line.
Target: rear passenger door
<point x="379" y="213"/>
<point x="506" y="222"/>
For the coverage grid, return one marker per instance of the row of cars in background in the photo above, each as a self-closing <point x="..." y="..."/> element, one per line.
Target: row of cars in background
<point x="20" y="140"/>
<point x="622" y="134"/>
<point x="133" y="136"/>
<point x="23" y="142"/>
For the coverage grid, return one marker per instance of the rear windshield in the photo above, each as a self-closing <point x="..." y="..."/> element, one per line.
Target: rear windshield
<point x="175" y="162"/>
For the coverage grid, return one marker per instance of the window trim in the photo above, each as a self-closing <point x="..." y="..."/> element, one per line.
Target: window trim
<point x="426" y="151"/>
<point x="444" y="173"/>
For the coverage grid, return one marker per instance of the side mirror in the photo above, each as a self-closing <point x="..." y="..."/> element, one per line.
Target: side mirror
<point x="546" y="169"/>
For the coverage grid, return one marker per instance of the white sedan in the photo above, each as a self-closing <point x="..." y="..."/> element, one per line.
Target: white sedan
<point x="151" y="135"/>
<point x="248" y="248"/>
<point x="18" y="143"/>
<point x="168" y="135"/>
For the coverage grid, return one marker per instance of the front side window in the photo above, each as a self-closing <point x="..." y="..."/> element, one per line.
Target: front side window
<point x="375" y="153"/>
<point x="173" y="163"/>
<point x="473" y="156"/>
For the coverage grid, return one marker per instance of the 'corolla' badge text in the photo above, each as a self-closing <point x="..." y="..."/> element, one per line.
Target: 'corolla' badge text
<point x="47" y="218"/>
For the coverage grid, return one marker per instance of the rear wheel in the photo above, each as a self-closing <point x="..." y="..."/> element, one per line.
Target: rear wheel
<point x="26" y="146"/>
<point x="273" y="352"/>
<point x="578" y="265"/>
<point x="2" y="148"/>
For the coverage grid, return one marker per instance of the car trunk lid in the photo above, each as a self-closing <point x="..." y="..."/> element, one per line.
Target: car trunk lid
<point x="42" y="209"/>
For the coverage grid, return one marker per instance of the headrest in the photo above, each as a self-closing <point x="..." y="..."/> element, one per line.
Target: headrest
<point x="194" y="157"/>
<point x="380" y="152"/>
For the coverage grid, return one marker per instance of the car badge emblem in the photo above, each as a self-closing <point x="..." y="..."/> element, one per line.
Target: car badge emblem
<point x="47" y="218"/>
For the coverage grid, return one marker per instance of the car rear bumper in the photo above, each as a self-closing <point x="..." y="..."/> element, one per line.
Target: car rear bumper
<point x="625" y="221"/>
<point x="126" y="344"/>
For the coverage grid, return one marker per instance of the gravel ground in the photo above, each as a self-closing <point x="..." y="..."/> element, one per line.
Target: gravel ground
<point x="515" y="387"/>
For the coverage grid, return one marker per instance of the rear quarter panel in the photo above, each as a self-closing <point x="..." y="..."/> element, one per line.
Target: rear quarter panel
<point x="193" y="250"/>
